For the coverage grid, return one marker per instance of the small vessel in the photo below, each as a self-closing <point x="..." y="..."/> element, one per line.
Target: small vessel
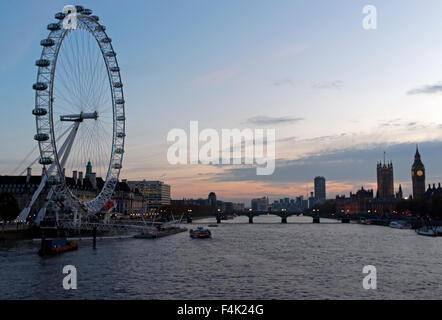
<point x="425" y="231"/>
<point x="51" y="247"/>
<point x="200" y="233"/>
<point x="400" y="225"/>
<point x="377" y="222"/>
<point x="213" y="225"/>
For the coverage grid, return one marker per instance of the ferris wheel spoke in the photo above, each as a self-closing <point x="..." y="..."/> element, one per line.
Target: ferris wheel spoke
<point x="69" y="86"/>
<point x="70" y="72"/>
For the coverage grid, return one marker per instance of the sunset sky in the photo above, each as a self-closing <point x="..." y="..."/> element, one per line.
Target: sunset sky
<point x="336" y="94"/>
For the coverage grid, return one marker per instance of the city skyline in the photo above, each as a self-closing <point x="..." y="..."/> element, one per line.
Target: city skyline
<point x="381" y="190"/>
<point x="331" y="122"/>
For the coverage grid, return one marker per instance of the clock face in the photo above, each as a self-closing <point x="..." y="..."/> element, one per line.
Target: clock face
<point x="420" y="173"/>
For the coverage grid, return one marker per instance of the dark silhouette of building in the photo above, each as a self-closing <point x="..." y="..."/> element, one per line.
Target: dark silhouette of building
<point x="88" y="169"/>
<point x="418" y="176"/>
<point x="432" y="191"/>
<point x="320" y="189"/>
<point x="399" y="194"/>
<point x="385" y="181"/>
<point x="359" y="202"/>
<point x="212" y="202"/>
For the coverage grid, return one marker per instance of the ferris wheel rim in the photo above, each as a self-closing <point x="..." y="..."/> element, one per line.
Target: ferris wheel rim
<point x="44" y="98"/>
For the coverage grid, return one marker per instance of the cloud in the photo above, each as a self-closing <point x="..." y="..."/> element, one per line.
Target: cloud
<point x="428" y="89"/>
<point x="408" y="125"/>
<point x="335" y="84"/>
<point x="283" y="82"/>
<point x="289" y="139"/>
<point x="391" y="123"/>
<point x="265" y="120"/>
<point x="349" y="166"/>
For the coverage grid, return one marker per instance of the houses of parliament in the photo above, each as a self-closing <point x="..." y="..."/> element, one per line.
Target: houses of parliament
<point x="385" y="199"/>
<point x="386" y="186"/>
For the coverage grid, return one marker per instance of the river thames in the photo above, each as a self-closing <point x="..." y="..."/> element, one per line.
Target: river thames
<point x="264" y="260"/>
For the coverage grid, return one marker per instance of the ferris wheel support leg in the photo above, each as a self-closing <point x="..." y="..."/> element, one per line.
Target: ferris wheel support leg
<point x="42" y="212"/>
<point x="69" y="142"/>
<point x="25" y="212"/>
<point x="41" y="215"/>
<point x="64" y="152"/>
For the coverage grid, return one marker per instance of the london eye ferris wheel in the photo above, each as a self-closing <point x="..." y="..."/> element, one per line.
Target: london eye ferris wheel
<point x="79" y="106"/>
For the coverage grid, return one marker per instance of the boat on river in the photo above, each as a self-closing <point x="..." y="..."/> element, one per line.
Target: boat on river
<point x="375" y="222"/>
<point x="51" y="247"/>
<point x="427" y="231"/>
<point x="200" y="233"/>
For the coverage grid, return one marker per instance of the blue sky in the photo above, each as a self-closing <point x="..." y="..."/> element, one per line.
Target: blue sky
<point x="225" y="62"/>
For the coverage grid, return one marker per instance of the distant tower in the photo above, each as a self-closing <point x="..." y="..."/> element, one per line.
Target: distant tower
<point x="385" y="180"/>
<point x="212" y="202"/>
<point x="88" y="169"/>
<point x="320" y="189"/>
<point x="400" y="194"/>
<point x="418" y="176"/>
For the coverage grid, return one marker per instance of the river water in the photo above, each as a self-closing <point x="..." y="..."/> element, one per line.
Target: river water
<point x="266" y="260"/>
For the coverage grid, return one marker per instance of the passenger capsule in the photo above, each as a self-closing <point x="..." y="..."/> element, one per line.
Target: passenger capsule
<point x="110" y="54"/>
<point x="119" y="101"/>
<point x="106" y="40"/>
<point x="42" y="63"/>
<point x="41" y="137"/>
<point x="100" y="28"/>
<point x="79" y="9"/>
<point x="39" y="86"/>
<point x="54" y="27"/>
<point x="121" y="134"/>
<point x="121" y="118"/>
<point x="96" y="18"/>
<point x="114" y="69"/>
<point x="39" y="112"/>
<point x="87" y="12"/>
<point x="47" y="42"/>
<point x="60" y="15"/>
<point x="45" y="160"/>
<point x="118" y="85"/>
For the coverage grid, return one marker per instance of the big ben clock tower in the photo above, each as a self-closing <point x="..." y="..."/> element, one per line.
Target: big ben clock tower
<point x="418" y="176"/>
